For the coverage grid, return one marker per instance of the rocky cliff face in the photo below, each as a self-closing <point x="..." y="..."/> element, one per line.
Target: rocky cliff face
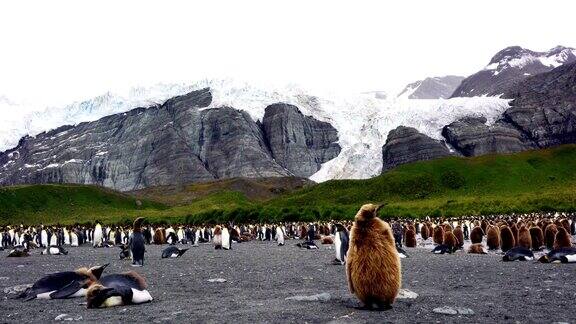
<point x="299" y="143"/>
<point x="172" y="143"/>
<point x="544" y="107"/>
<point x="509" y="67"/>
<point x="406" y="144"/>
<point x="472" y="137"/>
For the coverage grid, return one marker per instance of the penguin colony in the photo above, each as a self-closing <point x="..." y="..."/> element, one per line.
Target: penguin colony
<point x="369" y="247"/>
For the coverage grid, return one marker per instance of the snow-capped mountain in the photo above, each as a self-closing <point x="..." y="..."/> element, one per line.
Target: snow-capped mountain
<point x="362" y="120"/>
<point x="432" y="88"/>
<point x="510" y="66"/>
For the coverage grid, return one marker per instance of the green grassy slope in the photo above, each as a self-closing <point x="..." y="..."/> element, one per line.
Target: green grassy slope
<point x="527" y="181"/>
<point x="68" y="204"/>
<point x="541" y="180"/>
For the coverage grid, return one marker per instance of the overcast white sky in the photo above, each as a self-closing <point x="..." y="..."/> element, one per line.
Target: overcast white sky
<point x="60" y="51"/>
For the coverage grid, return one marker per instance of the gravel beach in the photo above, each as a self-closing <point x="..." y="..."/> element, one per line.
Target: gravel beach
<point x="265" y="283"/>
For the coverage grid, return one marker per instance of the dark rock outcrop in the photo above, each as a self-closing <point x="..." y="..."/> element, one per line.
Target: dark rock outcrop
<point x="406" y="145"/>
<point x="299" y="143"/>
<point x="173" y="143"/>
<point x="471" y="137"/>
<point x="544" y="107"/>
<point x="509" y="67"/>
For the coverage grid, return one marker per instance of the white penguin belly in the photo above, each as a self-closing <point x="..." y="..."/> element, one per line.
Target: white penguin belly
<point x="113" y="301"/>
<point x="140" y="296"/>
<point x="79" y="293"/>
<point x="54" y="250"/>
<point x="45" y="295"/>
<point x="571" y="258"/>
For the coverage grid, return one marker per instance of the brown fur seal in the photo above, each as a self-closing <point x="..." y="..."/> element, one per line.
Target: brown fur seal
<point x="373" y="265"/>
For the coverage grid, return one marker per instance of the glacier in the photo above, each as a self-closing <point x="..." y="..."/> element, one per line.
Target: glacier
<point x="362" y="120"/>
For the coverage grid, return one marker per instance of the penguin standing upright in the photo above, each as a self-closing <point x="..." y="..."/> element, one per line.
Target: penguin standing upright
<point x="217" y="240"/>
<point x="341" y="243"/>
<point x="226" y="239"/>
<point x="280" y="235"/>
<point x="373" y="265"/>
<point x="137" y="241"/>
<point x="97" y="236"/>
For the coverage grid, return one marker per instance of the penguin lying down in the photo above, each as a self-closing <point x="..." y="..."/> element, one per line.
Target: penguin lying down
<point x="54" y="250"/>
<point x="518" y="254"/>
<point x="118" y="290"/>
<point x="443" y="248"/>
<point x="67" y="284"/>
<point x="563" y="255"/>
<point x="173" y="252"/>
<point x="18" y="252"/>
<point x="307" y="245"/>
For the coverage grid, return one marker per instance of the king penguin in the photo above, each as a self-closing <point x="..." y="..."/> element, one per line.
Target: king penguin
<point x="98" y="236"/>
<point x="341" y="242"/>
<point x="173" y="252"/>
<point x="65" y="284"/>
<point x="118" y="290"/>
<point x="137" y="247"/>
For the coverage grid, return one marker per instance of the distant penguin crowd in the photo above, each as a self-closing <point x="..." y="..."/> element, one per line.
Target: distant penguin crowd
<point x="369" y="248"/>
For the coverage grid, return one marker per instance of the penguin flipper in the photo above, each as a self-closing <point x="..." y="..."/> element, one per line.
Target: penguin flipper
<point x="27" y="294"/>
<point x="66" y="291"/>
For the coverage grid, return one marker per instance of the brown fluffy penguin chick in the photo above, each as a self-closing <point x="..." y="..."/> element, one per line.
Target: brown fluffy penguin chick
<point x="566" y="224"/>
<point x="562" y="239"/>
<point x="524" y="238"/>
<point x="459" y="236"/>
<point x="550" y="235"/>
<point x="537" y="238"/>
<point x="438" y="236"/>
<point x="424" y="232"/>
<point x="410" y="238"/>
<point x="476" y="235"/>
<point x="373" y="265"/>
<point x="326" y="239"/>
<point x="514" y="230"/>
<point x="484" y="225"/>
<point x="477" y="248"/>
<point x="159" y="236"/>
<point x="507" y="240"/>
<point x="493" y="238"/>
<point x="450" y="240"/>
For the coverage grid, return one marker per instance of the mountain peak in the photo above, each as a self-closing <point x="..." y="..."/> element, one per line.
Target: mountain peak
<point x="431" y="88"/>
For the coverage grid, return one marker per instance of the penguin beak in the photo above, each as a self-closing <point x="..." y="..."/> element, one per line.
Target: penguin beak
<point x="97" y="271"/>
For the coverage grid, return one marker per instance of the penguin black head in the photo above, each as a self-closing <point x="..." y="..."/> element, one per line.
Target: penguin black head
<point x="98" y="270"/>
<point x="97" y="295"/>
<point x="137" y="227"/>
